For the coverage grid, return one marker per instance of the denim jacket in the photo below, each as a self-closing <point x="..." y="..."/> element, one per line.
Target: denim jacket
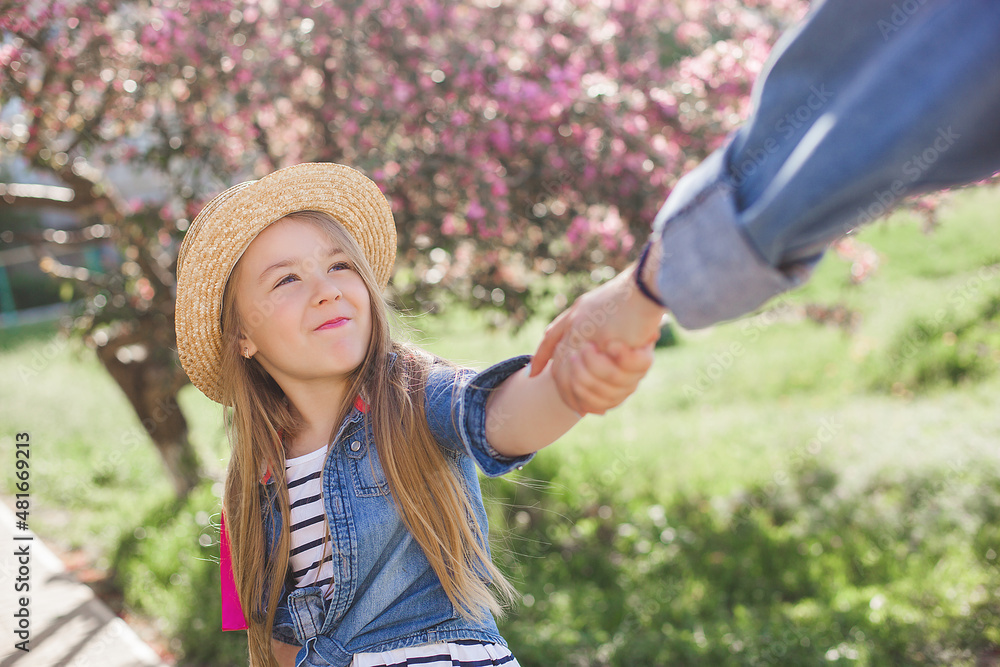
<point x="386" y="596"/>
<point x="866" y="102"/>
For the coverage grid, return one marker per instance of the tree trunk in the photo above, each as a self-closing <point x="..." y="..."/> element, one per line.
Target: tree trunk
<point x="151" y="379"/>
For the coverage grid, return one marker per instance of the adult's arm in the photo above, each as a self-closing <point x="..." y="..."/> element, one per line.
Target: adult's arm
<point x="865" y="102"/>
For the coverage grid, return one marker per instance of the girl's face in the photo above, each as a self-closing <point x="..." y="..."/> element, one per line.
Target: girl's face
<point x="305" y="310"/>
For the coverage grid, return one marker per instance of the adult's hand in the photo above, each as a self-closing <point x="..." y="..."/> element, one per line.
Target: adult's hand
<point x="594" y="381"/>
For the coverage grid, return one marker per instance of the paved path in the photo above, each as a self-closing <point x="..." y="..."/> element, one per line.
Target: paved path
<point x="69" y="625"/>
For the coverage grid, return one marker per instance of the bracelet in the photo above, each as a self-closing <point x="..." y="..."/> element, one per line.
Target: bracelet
<point x="638" y="276"/>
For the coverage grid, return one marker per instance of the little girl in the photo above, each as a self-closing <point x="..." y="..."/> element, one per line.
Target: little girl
<point x="353" y="531"/>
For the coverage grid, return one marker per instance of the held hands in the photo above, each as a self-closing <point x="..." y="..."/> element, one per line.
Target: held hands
<point x="602" y="345"/>
<point x="590" y="379"/>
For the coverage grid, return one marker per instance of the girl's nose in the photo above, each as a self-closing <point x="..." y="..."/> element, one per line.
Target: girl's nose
<point x="327" y="289"/>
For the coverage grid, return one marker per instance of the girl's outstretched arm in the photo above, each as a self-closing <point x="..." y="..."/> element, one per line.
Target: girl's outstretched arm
<point x="526" y="413"/>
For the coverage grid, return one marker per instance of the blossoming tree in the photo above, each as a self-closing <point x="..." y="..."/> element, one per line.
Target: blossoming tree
<point x="513" y="139"/>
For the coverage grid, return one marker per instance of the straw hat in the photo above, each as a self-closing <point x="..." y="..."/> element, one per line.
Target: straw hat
<point x="223" y="230"/>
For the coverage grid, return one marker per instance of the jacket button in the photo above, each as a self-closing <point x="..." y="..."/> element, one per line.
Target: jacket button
<point x="355" y="446"/>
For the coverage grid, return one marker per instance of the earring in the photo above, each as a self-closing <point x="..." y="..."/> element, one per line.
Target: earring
<point x="246" y="353"/>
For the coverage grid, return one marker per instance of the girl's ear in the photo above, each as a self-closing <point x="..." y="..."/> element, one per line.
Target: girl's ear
<point x="247" y="348"/>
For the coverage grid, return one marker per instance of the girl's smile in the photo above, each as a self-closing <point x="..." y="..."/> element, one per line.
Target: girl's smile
<point x="333" y="324"/>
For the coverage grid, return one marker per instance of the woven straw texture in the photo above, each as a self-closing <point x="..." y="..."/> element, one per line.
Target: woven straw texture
<point x="221" y="233"/>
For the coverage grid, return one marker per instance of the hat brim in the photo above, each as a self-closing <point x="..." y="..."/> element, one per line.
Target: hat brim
<point x="221" y="233"/>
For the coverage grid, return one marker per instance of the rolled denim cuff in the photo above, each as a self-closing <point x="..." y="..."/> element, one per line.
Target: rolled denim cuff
<point x="283" y="628"/>
<point x="285" y="633"/>
<point x="472" y="417"/>
<point x="708" y="270"/>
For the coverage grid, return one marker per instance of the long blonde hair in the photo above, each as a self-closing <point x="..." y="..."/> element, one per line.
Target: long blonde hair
<point x="427" y="490"/>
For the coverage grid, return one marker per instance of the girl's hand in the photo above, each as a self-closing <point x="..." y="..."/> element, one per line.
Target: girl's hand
<point x="593" y="380"/>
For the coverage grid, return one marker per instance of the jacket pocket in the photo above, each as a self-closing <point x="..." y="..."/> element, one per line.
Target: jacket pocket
<point x="366" y="469"/>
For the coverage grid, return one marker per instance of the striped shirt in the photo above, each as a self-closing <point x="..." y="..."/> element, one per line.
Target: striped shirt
<point x="310" y="565"/>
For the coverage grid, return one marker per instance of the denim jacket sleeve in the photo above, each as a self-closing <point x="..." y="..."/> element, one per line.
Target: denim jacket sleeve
<point x="455" y="402"/>
<point x="862" y="104"/>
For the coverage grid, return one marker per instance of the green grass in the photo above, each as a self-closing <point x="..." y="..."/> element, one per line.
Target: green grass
<point x="800" y="475"/>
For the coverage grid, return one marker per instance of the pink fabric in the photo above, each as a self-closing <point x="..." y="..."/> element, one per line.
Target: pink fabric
<point x="233" y="617"/>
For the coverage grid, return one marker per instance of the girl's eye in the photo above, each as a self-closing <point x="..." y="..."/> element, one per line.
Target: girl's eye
<point x="287" y="279"/>
<point x="340" y="266"/>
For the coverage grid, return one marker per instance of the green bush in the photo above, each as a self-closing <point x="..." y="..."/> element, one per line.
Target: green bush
<point x="945" y="349"/>
<point x="793" y="574"/>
